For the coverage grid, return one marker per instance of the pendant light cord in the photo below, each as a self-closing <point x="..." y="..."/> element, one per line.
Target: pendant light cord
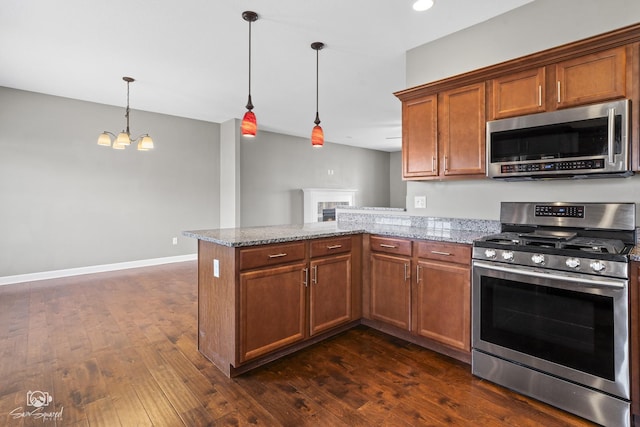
<point x="317" y="120"/>
<point x="249" y="103"/>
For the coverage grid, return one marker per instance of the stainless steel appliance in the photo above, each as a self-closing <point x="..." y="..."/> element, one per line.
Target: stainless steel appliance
<point x="581" y="142"/>
<point x="550" y="315"/>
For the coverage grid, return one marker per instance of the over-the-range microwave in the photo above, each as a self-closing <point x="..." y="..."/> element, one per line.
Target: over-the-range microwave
<point x="580" y="142"/>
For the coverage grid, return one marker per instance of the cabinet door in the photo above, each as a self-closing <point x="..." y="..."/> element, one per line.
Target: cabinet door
<point x="591" y="78"/>
<point x="443" y="303"/>
<point x="462" y="131"/>
<point x="330" y="293"/>
<point x="272" y="309"/>
<point x="419" y="137"/>
<point x="391" y="290"/>
<point x="518" y="94"/>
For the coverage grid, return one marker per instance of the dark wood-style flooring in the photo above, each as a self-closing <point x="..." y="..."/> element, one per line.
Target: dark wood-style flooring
<point x="120" y="348"/>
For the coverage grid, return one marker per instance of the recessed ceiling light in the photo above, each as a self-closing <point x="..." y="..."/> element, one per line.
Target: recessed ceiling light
<point x="422" y="5"/>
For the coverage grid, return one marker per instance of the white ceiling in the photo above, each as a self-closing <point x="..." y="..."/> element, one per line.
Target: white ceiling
<point x="189" y="57"/>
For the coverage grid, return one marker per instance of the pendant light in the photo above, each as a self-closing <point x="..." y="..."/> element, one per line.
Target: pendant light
<point x="123" y="140"/>
<point x="249" y="125"/>
<point x="317" y="135"/>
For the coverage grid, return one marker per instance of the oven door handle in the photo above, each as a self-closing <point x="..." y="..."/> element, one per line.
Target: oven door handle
<point x="589" y="280"/>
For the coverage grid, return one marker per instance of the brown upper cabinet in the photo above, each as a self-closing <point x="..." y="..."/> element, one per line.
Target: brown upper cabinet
<point x="584" y="80"/>
<point x="420" y="137"/>
<point x="443" y="122"/>
<point x="443" y="134"/>
<point x="519" y="93"/>
<point x="592" y="78"/>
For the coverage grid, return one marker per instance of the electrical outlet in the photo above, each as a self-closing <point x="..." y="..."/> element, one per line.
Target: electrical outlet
<point x="216" y="268"/>
<point x="420" y="202"/>
<point x="175" y="241"/>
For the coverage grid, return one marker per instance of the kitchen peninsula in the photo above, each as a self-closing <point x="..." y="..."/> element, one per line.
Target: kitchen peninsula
<point x="264" y="292"/>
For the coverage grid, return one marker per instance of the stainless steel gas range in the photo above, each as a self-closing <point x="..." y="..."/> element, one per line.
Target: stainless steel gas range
<point x="550" y="306"/>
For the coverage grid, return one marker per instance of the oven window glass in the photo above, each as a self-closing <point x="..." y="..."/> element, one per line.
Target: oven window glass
<point x="570" y="328"/>
<point x="584" y="138"/>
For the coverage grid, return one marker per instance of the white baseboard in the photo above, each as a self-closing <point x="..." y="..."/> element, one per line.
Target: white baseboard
<point x="31" y="277"/>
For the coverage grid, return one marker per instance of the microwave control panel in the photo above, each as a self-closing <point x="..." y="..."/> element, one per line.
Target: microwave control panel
<point x="553" y="166"/>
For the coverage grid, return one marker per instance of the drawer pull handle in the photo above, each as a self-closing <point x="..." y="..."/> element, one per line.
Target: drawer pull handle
<point x="441" y="253"/>
<point x="384" y="245"/>
<point x="278" y="255"/>
<point x="334" y="246"/>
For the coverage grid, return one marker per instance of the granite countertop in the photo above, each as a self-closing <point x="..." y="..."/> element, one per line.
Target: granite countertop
<point x="252" y="236"/>
<point x="635" y="253"/>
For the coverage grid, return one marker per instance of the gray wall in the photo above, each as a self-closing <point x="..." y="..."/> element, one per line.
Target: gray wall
<point x="536" y="26"/>
<point x="397" y="187"/>
<point x="67" y="203"/>
<point x="274" y="168"/>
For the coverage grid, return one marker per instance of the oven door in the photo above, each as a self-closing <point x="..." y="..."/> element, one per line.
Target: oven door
<point x="572" y="326"/>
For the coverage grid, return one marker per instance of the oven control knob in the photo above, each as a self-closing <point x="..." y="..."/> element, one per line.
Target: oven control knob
<point x="507" y="256"/>
<point x="573" y="262"/>
<point x="490" y="253"/>
<point x="597" y="266"/>
<point x="537" y="259"/>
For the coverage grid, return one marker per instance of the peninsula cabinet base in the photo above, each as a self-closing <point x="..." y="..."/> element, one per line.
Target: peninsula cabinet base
<point x="461" y="355"/>
<point x="231" y="371"/>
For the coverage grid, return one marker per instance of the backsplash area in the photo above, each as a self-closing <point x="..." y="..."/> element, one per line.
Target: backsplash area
<point x="365" y="217"/>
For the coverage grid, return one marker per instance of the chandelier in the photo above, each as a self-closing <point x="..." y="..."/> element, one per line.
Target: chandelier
<point x="123" y="139"/>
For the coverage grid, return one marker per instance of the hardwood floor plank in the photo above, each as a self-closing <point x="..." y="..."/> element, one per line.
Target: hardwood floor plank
<point x="101" y="413"/>
<point x="120" y="348"/>
<point x="159" y="409"/>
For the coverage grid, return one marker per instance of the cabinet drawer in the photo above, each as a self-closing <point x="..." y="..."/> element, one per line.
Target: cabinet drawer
<point x="448" y="252"/>
<point x="263" y="256"/>
<point x="332" y="246"/>
<point x="390" y="245"/>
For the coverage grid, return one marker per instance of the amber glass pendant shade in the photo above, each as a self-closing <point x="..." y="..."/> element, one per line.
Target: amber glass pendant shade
<point x="249" y="125"/>
<point x="317" y="137"/>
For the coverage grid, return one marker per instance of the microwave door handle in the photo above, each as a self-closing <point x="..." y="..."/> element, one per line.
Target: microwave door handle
<point x="611" y="134"/>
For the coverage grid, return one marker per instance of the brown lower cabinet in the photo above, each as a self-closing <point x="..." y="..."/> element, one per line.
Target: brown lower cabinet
<point x="259" y="303"/>
<point x="272" y="309"/>
<point x="391" y="290"/>
<point x="420" y="291"/>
